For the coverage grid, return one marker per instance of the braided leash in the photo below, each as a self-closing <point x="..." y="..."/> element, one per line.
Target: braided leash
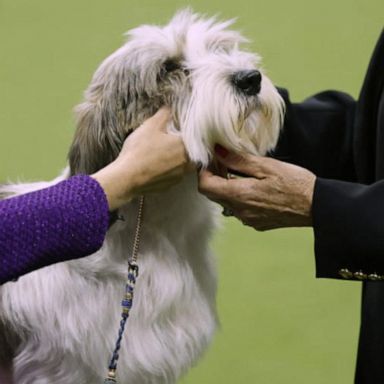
<point x="126" y="303"/>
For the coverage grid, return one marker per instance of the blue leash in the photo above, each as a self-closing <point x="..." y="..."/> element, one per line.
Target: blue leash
<point x="126" y="303"/>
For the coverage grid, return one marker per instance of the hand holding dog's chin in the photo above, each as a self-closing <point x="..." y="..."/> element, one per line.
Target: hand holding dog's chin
<point x="151" y="160"/>
<point x="275" y="195"/>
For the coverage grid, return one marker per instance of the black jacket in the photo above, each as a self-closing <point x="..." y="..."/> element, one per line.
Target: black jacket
<point x="342" y="142"/>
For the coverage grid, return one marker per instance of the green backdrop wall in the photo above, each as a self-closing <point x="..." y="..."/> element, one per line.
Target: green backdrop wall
<point x="278" y="323"/>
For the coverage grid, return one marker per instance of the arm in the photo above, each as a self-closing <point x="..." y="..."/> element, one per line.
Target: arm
<point x="65" y="221"/>
<point x="70" y="219"/>
<point x="348" y="218"/>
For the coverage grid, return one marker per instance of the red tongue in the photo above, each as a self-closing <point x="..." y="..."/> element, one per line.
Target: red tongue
<point x="221" y="151"/>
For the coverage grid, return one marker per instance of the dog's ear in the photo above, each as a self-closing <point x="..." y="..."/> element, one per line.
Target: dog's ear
<point x="104" y="118"/>
<point x="98" y="138"/>
<point x="122" y="94"/>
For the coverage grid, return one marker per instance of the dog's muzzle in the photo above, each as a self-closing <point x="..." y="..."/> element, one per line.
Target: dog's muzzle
<point x="248" y="82"/>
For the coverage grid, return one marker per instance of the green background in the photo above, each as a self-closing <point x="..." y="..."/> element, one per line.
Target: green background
<point x="278" y="323"/>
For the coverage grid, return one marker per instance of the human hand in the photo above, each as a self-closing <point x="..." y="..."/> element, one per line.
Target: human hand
<point x="151" y="160"/>
<point x="273" y="194"/>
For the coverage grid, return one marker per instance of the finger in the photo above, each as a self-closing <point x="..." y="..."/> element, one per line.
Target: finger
<point x="214" y="186"/>
<point x="245" y="164"/>
<point x="206" y="172"/>
<point x="159" y="121"/>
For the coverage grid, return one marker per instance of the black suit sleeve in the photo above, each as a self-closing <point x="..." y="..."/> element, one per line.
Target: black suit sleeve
<point x="317" y="134"/>
<point x="348" y="222"/>
<point x="348" y="218"/>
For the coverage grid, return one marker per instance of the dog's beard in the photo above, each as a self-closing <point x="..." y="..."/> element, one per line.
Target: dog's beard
<point x="217" y="113"/>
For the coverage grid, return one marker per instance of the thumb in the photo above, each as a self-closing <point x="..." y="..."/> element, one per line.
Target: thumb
<point x="243" y="164"/>
<point x="213" y="186"/>
<point x="159" y="121"/>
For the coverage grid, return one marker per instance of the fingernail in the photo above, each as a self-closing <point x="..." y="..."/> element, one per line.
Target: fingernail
<point x="221" y="151"/>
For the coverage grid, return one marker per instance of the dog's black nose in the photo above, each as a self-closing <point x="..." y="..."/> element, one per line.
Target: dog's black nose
<point x="248" y="82"/>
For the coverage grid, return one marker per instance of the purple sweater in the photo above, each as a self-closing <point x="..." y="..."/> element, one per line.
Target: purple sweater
<point x="66" y="221"/>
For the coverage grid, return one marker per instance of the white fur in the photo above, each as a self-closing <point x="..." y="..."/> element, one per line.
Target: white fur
<point x="67" y="315"/>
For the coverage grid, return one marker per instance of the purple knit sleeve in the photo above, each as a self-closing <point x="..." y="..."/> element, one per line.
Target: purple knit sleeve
<point x="66" y="221"/>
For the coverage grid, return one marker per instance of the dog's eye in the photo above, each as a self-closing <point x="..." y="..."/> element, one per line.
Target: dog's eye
<point x="170" y="66"/>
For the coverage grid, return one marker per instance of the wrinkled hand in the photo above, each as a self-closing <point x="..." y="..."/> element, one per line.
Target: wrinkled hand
<point x="273" y="195"/>
<point x="151" y="160"/>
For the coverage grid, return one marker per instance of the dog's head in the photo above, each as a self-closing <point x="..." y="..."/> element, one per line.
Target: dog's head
<point x="217" y="93"/>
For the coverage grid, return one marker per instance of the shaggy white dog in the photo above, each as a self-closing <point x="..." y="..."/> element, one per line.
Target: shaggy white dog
<point x="60" y="323"/>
